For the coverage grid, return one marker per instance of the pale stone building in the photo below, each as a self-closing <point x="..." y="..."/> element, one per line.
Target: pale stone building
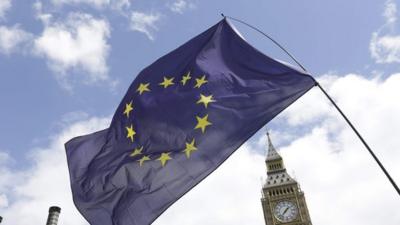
<point x="282" y="199"/>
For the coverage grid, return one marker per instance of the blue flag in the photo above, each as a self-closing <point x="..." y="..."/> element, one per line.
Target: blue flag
<point x="180" y="119"/>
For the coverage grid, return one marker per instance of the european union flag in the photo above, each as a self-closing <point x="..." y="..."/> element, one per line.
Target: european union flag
<point x="180" y="119"/>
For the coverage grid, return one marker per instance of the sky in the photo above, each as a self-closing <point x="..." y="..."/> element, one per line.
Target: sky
<point x="66" y="64"/>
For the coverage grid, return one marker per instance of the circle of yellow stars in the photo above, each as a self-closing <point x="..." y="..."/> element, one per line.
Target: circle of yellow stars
<point x="202" y="121"/>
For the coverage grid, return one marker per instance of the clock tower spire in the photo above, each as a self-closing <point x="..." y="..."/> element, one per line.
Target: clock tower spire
<point x="282" y="199"/>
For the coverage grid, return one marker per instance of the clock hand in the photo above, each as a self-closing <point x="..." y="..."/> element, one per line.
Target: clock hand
<point x="287" y="208"/>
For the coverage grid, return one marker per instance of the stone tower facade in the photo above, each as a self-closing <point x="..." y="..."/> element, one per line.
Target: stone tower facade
<point x="282" y="199"/>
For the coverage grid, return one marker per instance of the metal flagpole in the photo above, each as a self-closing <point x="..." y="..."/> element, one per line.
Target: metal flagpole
<point x="330" y="99"/>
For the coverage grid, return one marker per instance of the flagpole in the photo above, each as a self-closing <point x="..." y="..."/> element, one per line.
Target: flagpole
<point x="266" y="35"/>
<point x="330" y="99"/>
<point x="362" y="140"/>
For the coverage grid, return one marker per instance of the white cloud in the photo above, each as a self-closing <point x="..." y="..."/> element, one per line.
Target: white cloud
<point x="46" y="183"/>
<point x="144" y="23"/>
<point x="45" y="18"/>
<point x="229" y="196"/>
<point x="179" y="6"/>
<point x="13" y="39"/>
<point x="5" y="5"/>
<point x="114" y="4"/>
<point x="332" y="167"/>
<point x="390" y="12"/>
<point x="120" y="4"/>
<point x="79" y="42"/>
<point x="385" y="43"/>
<point x="96" y="3"/>
<point x="5" y="173"/>
<point x="385" y="49"/>
<point x="3" y="201"/>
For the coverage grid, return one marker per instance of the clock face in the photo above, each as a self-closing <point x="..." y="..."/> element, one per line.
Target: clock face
<point x="285" y="211"/>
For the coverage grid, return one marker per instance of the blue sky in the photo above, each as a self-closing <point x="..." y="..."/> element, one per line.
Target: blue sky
<point x="35" y="99"/>
<point x="65" y="65"/>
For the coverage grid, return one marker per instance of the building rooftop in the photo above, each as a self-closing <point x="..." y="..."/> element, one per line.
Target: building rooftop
<point x="272" y="154"/>
<point x="277" y="175"/>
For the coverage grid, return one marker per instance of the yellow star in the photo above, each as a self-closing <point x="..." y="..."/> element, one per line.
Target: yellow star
<point x="131" y="132"/>
<point x="128" y="109"/>
<point x="202" y="123"/>
<point x="167" y="82"/>
<point x="143" y="87"/>
<point x="136" y="151"/>
<point x="190" y="147"/>
<point x="205" y="100"/>
<point x="164" y="158"/>
<point x="186" y="78"/>
<point x="200" y="81"/>
<point x="143" y="159"/>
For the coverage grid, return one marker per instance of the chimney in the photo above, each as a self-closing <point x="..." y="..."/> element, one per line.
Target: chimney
<point x="54" y="213"/>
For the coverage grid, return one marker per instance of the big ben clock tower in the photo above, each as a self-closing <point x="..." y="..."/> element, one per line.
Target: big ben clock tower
<point x="282" y="199"/>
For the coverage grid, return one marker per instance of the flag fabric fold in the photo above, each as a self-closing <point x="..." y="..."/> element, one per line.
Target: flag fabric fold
<point x="180" y="119"/>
